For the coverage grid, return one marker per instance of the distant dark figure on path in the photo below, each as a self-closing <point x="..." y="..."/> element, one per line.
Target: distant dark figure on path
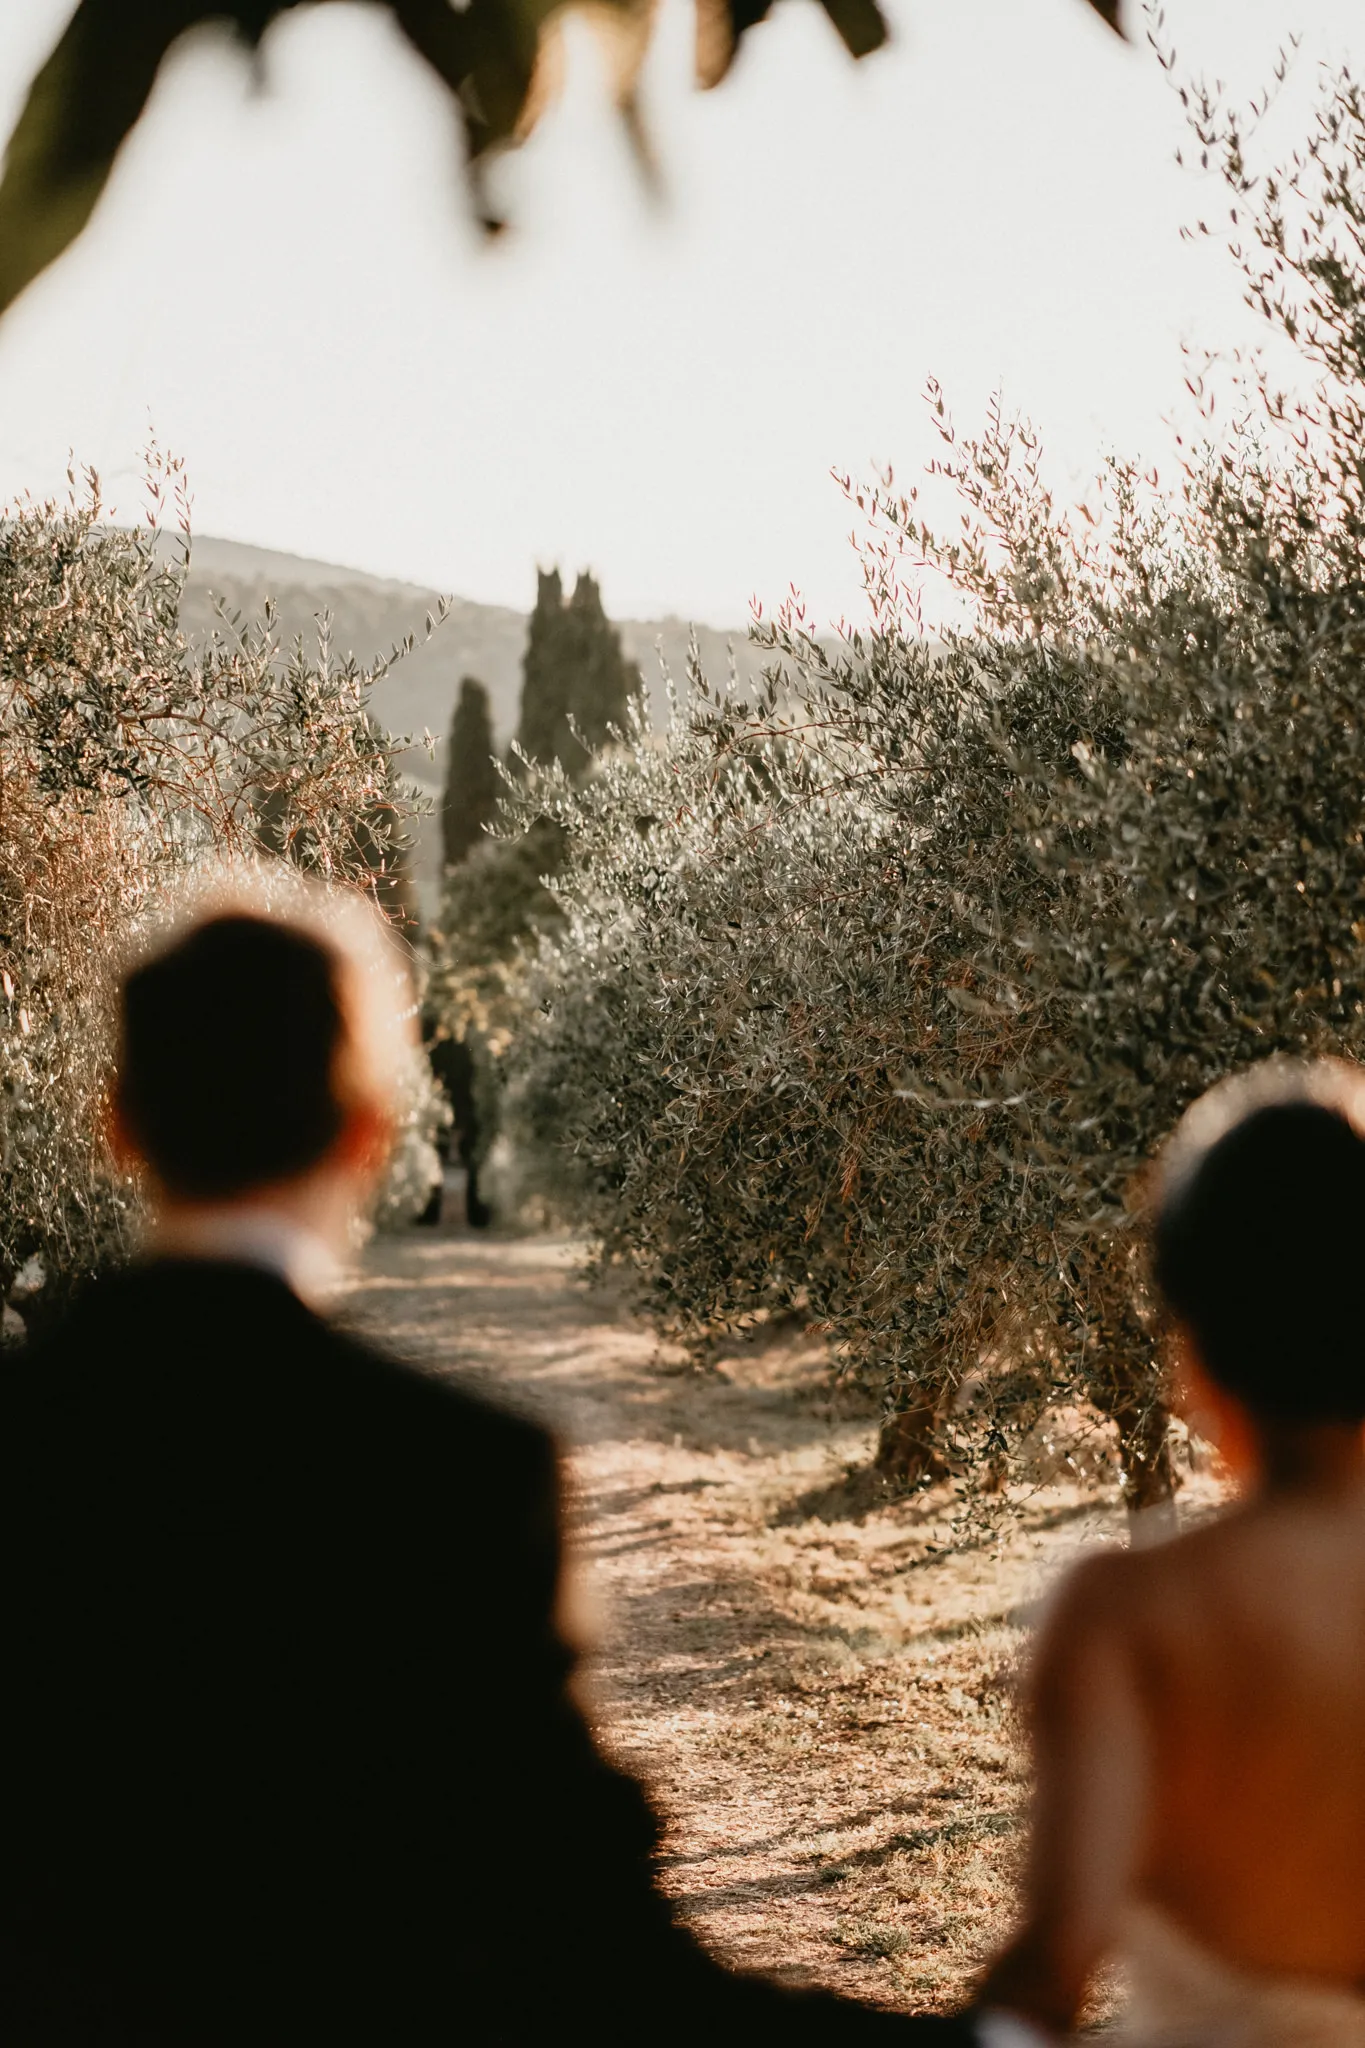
<point x="452" y="1062"/>
<point x="1199" y="1707"/>
<point x="291" y="1751"/>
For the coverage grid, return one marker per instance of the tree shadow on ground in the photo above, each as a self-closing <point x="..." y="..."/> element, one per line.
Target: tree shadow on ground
<point x="594" y="1381"/>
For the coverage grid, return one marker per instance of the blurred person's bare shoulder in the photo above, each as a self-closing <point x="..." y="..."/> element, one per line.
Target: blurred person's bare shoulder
<point x="1284" y="1569"/>
<point x="1124" y="1596"/>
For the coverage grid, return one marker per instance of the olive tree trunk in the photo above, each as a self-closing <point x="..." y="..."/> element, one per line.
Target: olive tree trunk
<point x="1127" y="1383"/>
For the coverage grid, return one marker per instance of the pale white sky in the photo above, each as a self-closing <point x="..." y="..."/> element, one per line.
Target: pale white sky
<point x="286" y="283"/>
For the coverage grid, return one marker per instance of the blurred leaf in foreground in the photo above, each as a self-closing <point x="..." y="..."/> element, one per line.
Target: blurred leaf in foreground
<point x="491" y="54"/>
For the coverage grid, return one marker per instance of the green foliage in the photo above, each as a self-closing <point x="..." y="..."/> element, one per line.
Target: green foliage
<point x="93" y="88"/>
<point x="576" y="683"/>
<point x="473" y="784"/>
<point x="127" y="760"/>
<point x="543" y="722"/>
<point x="875" y="994"/>
<point x="497" y="898"/>
<point x="604" y="682"/>
<point x="381" y="842"/>
<point x="577" y="687"/>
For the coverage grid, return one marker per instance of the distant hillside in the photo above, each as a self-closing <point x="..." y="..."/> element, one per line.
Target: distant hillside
<point x="370" y="614"/>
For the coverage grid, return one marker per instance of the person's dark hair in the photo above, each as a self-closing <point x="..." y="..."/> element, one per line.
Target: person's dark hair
<point x="1259" y="1241"/>
<point x="230" y="1039"/>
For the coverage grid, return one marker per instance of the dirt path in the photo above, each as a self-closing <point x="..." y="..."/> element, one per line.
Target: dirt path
<point x="819" y="1697"/>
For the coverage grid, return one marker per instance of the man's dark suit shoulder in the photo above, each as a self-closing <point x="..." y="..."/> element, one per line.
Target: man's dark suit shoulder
<point x="196" y="1377"/>
<point x="360" y="1564"/>
<point x="178" y="1317"/>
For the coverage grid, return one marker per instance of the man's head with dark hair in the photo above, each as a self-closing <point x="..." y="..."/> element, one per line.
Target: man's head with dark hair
<point x="227" y="1080"/>
<point x="1259" y="1240"/>
<point x="260" y="1046"/>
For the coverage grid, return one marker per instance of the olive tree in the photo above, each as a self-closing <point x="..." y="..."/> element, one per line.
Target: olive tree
<point x="126" y="759"/>
<point x="877" y="992"/>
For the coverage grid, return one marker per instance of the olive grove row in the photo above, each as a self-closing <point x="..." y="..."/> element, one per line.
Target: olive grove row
<point x="872" y="995"/>
<point x="128" y="761"/>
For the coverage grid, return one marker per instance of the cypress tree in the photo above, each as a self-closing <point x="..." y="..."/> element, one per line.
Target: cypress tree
<point x="602" y="681"/>
<point x="574" y="674"/>
<point x="472" y="780"/>
<point x="543" y="728"/>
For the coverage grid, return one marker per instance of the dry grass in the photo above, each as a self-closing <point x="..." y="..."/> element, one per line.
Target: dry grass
<point x="815" y="1679"/>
